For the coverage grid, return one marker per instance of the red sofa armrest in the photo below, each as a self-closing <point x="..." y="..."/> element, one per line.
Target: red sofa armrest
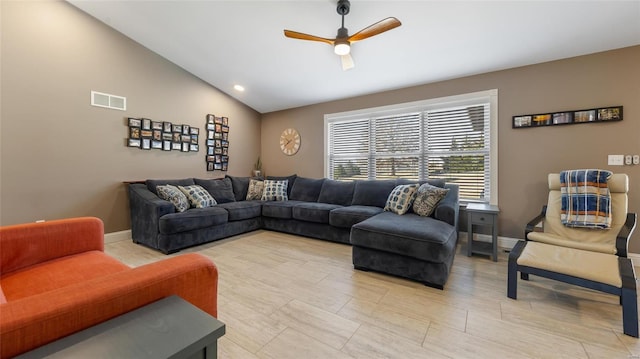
<point x="23" y="245"/>
<point x="31" y="322"/>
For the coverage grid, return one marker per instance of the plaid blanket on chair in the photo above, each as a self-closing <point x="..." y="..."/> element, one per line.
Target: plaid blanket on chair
<point x="586" y="201"/>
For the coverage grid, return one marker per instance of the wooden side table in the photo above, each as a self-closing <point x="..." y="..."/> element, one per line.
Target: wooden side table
<point x="168" y="328"/>
<point x="482" y="214"/>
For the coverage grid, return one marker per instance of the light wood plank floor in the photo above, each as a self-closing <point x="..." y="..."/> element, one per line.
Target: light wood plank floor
<point x="284" y="296"/>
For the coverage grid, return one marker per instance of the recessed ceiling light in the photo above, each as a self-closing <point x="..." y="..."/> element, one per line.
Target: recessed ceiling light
<point x="238" y="88"/>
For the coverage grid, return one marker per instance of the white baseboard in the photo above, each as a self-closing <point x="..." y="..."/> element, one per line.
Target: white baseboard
<point x="117" y="236"/>
<point x="506" y="243"/>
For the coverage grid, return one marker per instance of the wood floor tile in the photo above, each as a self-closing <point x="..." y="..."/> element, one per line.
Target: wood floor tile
<point x="285" y="296"/>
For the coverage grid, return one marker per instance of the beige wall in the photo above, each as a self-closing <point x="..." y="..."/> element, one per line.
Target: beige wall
<point x="61" y="157"/>
<point x="525" y="155"/>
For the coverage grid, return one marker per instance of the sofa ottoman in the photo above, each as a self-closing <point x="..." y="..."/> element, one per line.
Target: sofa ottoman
<point x="401" y="246"/>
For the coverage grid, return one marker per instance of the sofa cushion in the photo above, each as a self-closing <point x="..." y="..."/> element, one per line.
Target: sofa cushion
<point x="198" y="196"/>
<point x="306" y="189"/>
<point x="240" y="186"/>
<point x="313" y="212"/>
<point x="337" y="192"/>
<point x="291" y="180"/>
<point x="195" y="218"/>
<point x="256" y="188"/>
<point x="275" y="190"/>
<point x="58" y="273"/>
<point x="372" y="192"/>
<point x="153" y="183"/>
<point x="346" y="217"/>
<point x="279" y="209"/>
<point x="427" y="198"/>
<point x="410" y="235"/>
<point x="401" y="198"/>
<point x="220" y="188"/>
<point x="174" y="195"/>
<point x="242" y="209"/>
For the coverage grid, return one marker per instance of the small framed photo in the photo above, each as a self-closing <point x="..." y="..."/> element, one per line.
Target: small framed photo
<point x="218" y="127"/>
<point x="177" y="137"/>
<point x="209" y="166"/>
<point x="209" y="150"/>
<point x="146" y="124"/>
<point x="217" y="166"/>
<point x="211" y="158"/>
<point x="210" y="135"/>
<point x="225" y="143"/>
<point x="134" y="122"/>
<point x="218" y="135"/>
<point x="194" y="139"/>
<point x="218" y="120"/>
<point x="224" y="158"/>
<point x="155" y="125"/>
<point x="185" y="147"/>
<point x="194" y="131"/>
<point x="167" y="127"/>
<point x="193" y="148"/>
<point x="610" y="114"/>
<point x="225" y="136"/>
<point x="167" y="136"/>
<point x="218" y="143"/>
<point x="584" y="116"/>
<point x="186" y="138"/>
<point x="134" y="142"/>
<point x="146" y="144"/>
<point x="176" y="146"/>
<point x="225" y="121"/>
<point x="156" y="144"/>
<point x="210" y="118"/>
<point x="211" y="126"/>
<point x="157" y="135"/>
<point x="218" y="159"/>
<point x="218" y="150"/>
<point x="541" y="120"/>
<point x="146" y="133"/>
<point x="225" y="128"/>
<point x="521" y="121"/>
<point x="562" y="118"/>
<point x="166" y="145"/>
<point x="225" y="151"/>
<point x="185" y="129"/>
<point x="211" y="143"/>
<point x="177" y="128"/>
<point x="225" y="166"/>
<point x="134" y="132"/>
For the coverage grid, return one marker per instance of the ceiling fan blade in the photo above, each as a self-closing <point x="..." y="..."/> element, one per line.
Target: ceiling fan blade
<point x="375" y="29"/>
<point x="347" y="62"/>
<point x="302" y="36"/>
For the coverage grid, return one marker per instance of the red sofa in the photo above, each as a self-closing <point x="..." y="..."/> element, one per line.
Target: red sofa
<point x="55" y="280"/>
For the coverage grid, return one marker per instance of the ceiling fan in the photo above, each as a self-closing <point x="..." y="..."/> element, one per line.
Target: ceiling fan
<point x="342" y="43"/>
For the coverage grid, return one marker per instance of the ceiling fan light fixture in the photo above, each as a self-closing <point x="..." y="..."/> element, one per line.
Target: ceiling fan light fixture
<point x="342" y="48"/>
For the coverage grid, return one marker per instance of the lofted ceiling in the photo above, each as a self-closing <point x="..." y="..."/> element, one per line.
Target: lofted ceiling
<point x="241" y="42"/>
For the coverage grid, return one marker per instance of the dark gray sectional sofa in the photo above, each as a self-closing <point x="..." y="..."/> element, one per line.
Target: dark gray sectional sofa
<point x="410" y="246"/>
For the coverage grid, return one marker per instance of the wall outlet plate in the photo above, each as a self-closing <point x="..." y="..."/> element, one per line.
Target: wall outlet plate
<point x="636" y="159"/>
<point x="616" y="160"/>
<point x="627" y="160"/>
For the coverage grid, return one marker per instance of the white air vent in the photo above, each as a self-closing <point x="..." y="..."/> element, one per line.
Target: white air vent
<point x="100" y="99"/>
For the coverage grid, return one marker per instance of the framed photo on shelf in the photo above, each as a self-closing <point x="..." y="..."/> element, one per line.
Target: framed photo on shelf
<point x="584" y="116"/>
<point x="610" y="114"/>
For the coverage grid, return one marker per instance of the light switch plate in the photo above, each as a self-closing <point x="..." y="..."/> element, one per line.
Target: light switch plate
<point x="616" y="160"/>
<point x="627" y="160"/>
<point x="636" y="159"/>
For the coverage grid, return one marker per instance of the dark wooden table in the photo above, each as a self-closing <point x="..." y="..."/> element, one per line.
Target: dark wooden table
<point x="168" y="328"/>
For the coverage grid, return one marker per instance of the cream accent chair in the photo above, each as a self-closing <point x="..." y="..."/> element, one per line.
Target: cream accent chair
<point x="590" y="258"/>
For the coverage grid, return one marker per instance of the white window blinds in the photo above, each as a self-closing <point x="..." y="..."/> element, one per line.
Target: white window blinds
<point x="447" y="140"/>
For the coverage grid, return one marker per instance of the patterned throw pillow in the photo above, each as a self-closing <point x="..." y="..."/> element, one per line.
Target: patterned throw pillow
<point x="427" y="198"/>
<point x="275" y="190"/>
<point x="255" y="190"/>
<point x="198" y="196"/>
<point x="401" y="198"/>
<point x="174" y="195"/>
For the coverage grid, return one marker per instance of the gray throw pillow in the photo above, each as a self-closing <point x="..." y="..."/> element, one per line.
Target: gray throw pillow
<point x="427" y="198"/>
<point x="174" y="195"/>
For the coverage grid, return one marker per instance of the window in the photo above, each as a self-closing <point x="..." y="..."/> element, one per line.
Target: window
<point x="452" y="138"/>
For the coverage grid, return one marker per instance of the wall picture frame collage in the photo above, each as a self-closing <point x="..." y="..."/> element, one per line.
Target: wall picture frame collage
<point x="147" y="134"/>
<point x="217" y="156"/>
<point x="602" y="114"/>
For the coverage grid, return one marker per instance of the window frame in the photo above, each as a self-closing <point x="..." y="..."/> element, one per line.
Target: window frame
<point x="488" y="96"/>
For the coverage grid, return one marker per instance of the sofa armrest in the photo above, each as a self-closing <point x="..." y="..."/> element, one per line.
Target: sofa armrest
<point x="623" y="237"/>
<point x="532" y="224"/>
<point x="146" y="208"/>
<point x="23" y="245"/>
<point x="34" y="321"/>
<point x="449" y="207"/>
